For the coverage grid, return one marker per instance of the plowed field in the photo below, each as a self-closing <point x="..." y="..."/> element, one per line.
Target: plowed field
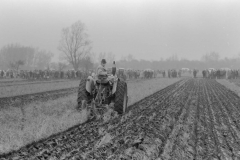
<point x="190" y="119"/>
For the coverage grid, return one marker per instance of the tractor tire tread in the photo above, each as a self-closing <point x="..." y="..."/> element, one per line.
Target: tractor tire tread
<point x="119" y="96"/>
<point x="82" y="93"/>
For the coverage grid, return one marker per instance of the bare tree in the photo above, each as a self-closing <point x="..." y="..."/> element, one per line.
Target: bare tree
<point x="61" y="66"/>
<point x="101" y="56"/>
<point x="173" y="57"/>
<point x="74" y="43"/>
<point x="86" y="63"/>
<point x="15" y="65"/>
<point x="42" y="59"/>
<point x="110" y="57"/>
<point x="213" y="56"/>
<point x="130" y="57"/>
<point x="11" y="54"/>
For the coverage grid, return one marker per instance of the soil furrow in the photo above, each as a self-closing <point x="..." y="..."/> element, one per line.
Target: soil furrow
<point x="227" y="127"/>
<point x="174" y="138"/>
<point x="193" y="119"/>
<point x="199" y="136"/>
<point x="135" y="131"/>
<point x="17" y="101"/>
<point x="211" y="124"/>
<point x="49" y="81"/>
<point x="221" y="126"/>
<point x="84" y="135"/>
<point x="123" y="129"/>
<point x="37" y="82"/>
<point x="232" y="109"/>
<point x="120" y="129"/>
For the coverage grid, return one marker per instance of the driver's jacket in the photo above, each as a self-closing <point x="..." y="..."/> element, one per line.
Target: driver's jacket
<point x="101" y="70"/>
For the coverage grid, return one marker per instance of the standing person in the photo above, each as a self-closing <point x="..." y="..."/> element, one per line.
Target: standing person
<point x="2" y="73"/>
<point x="194" y="73"/>
<point x="179" y="73"/>
<point x="204" y="73"/>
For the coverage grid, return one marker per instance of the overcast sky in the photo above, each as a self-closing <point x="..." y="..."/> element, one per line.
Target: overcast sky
<point x="147" y="29"/>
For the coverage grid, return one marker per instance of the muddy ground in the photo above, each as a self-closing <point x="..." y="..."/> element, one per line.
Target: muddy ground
<point x="191" y="119"/>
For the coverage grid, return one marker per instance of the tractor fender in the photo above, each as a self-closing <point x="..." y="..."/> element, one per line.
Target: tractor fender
<point x="115" y="85"/>
<point x="89" y="84"/>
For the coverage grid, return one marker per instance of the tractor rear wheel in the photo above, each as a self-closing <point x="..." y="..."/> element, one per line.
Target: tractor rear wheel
<point x="83" y="95"/>
<point x="121" y="98"/>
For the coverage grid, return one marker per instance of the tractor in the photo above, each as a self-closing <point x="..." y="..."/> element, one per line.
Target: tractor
<point x="105" y="90"/>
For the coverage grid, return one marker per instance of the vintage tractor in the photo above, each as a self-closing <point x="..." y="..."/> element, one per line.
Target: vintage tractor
<point x="105" y="90"/>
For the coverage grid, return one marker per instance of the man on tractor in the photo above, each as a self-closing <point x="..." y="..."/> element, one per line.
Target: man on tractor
<point x="103" y="89"/>
<point x="101" y="69"/>
<point x="102" y="75"/>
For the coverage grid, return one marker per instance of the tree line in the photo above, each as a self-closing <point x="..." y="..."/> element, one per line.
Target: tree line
<point x="13" y="56"/>
<point x="75" y="48"/>
<point x="209" y="60"/>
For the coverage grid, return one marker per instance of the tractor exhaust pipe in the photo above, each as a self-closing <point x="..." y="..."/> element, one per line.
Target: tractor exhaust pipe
<point x="114" y="69"/>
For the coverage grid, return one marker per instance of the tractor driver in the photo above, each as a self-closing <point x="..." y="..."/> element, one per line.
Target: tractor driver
<point x="101" y="70"/>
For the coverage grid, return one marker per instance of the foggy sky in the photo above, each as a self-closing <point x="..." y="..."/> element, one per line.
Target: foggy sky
<point x="147" y="29"/>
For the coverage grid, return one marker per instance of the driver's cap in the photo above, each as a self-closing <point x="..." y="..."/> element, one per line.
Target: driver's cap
<point x="103" y="61"/>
